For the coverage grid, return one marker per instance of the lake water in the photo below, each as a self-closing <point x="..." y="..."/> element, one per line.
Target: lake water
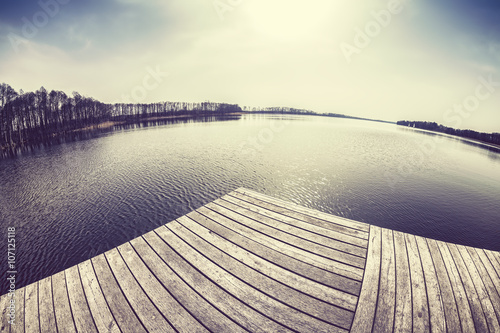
<point x="72" y="201"/>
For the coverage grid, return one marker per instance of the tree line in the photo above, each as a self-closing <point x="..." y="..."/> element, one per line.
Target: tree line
<point x="279" y="109"/>
<point x="493" y="138"/>
<point x="295" y="111"/>
<point x="31" y="118"/>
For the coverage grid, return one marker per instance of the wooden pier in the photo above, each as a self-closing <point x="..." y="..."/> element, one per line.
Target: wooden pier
<point x="250" y="262"/>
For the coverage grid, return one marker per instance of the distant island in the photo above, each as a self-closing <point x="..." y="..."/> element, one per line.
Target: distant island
<point x="287" y="110"/>
<point x="490" y="138"/>
<point x="29" y="119"/>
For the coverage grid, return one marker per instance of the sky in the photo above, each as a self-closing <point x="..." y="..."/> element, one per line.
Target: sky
<point x="430" y="60"/>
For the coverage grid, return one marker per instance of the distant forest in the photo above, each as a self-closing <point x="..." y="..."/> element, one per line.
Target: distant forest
<point x="32" y="118"/>
<point x="493" y="138"/>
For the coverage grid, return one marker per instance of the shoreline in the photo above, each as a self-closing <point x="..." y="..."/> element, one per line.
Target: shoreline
<point x="476" y="141"/>
<point x="12" y="150"/>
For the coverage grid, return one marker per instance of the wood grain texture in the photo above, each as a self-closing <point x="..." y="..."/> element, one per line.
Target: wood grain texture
<point x="464" y="309"/>
<point x="437" y="319"/>
<point x="490" y="278"/>
<point x="19" y="300"/>
<point x="118" y="304"/>
<point x="471" y="293"/>
<point x="265" y="307"/>
<point x="365" y="313"/>
<point x="290" y="263"/>
<point x="480" y="288"/>
<point x="279" y="241"/>
<point x="31" y="315"/>
<point x="5" y="302"/>
<point x="79" y="307"/>
<point x="335" y="240"/>
<point x="494" y="260"/>
<point x="286" y="295"/>
<point x="348" y="227"/>
<point x="403" y="320"/>
<point x="452" y="318"/>
<point x="46" y="306"/>
<point x="229" y="304"/>
<point x="62" y="308"/>
<point x="101" y="313"/>
<point x="146" y="311"/>
<point x="178" y="316"/>
<point x="420" y="310"/>
<point x="384" y="317"/>
<point x="291" y="235"/>
<point x="282" y="213"/>
<point x="200" y="306"/>
<point x="275" y="272"/>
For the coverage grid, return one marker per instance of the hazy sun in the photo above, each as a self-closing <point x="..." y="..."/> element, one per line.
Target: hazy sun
<point x="288" y="19"/>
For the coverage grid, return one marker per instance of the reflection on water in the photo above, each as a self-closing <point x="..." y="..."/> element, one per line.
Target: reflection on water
<point x="72" y="201"/>
<point x="131" y="123"/>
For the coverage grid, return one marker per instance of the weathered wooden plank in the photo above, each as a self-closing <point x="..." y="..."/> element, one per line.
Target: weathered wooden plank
<point x="200" y="307"/>
<point x="79" y="308"/>
<point x="308" y="211"/>
<point x="304" y="285"/>
<point x="298" y="267"/>
<point x="289" y="242"/>
<point x="232" y="307"/>
<point x="384" y="316"/>
<point x="365" y="312"/>
<point x="420" y="308"/>
<point x="357" y="245"/>
<point x="149" y="315"/>
<point x="266" y="306"/>
<point x="495" y="261"/>
<point x="463" y="307"/>
<point x="181" y="319"/>
<point x="31" y="316"/>
<point x="489" y="260"/>
<point x="320" y="262"/>
<point x="46" y="306"/>
<point x="333" y="239"/>
<point x="475" y="305"/>
<point x="103" y="318"/>
<point x="123" y="314"/>
<point x="496" y="254"/>
<point x="62" y="309"/>
<point x="296" y="236"/>
<point x="452" y="319"/>
<point x="348" y="227"/>
<point x="5" y="304"/>
<point x="19" y="321"/>
<point x="479" y="283"/>
<point x="286" y="295"/>
<point x="488" y="274"/>
<point x="403" y="320"/>
<point x="434" y="295"/>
